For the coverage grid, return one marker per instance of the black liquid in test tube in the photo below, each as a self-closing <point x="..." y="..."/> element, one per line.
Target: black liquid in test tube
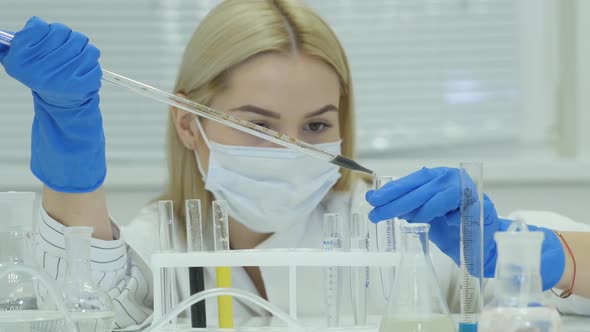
<point x="194" y="233"/>
<point x="197" y="284"/>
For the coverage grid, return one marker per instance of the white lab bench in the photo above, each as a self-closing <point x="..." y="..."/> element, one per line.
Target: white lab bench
<point x="571" y="324"/>
<point x="291" y="258"/>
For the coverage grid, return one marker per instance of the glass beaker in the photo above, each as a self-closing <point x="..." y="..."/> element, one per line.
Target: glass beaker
<point x="418" y="304"/>
<point x="90" y="308"/>
<point x="21" y="306"/>
<point x="518" y="297"/>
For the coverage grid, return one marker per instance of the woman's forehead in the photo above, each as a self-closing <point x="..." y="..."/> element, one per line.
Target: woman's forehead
<point x="282" y="82"/>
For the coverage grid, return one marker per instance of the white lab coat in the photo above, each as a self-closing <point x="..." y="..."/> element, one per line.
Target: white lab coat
<point x="122" y="266"/>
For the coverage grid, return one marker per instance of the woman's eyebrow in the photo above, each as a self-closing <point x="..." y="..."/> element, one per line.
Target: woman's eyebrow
<point x="274" y="115"/>
<point x="257" y="110"/>
<point x="327" y="108"/>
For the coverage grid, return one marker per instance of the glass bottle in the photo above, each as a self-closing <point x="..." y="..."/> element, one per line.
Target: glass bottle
<point x="90" y="308"/>
<point x="518" y="298"/>
<point x="418" y="304"/>
<point x="22" y="308"/>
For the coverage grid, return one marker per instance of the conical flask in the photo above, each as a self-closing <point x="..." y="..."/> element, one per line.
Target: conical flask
<point x="518" y="298"/>
<point x="416" y="303"/>
<point x="21" y="306"/>
<point x="90" y="308"/>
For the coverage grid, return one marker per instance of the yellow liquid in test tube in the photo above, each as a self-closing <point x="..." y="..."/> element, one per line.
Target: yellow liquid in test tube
<point x="224" y="303"/>
<point x="225" y="307"/>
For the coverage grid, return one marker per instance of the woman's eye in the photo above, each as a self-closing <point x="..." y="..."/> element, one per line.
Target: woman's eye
<point x="261" y="124"/>
<point x="316" y="126"/>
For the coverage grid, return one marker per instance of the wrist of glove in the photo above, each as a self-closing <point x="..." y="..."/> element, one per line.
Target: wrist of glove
<point x="68" y="146"/>
<point x="552" y="258"/>
<point x="62" y="70"/>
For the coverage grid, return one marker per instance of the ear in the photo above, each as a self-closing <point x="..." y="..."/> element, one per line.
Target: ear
<point x="185" y="125"/>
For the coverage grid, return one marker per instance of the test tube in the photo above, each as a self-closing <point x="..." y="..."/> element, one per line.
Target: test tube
<point x="220" y="225"/>
<point x="359" y="275"/>
<point x="221" y="238"/>
<point x="194" y="224"/>
<point x="471" y="245"/>
<point x="194" y="234"/>
<point x="333" y="230"/>
<point x="386" y="241"/>
<point x="167" y="235"/>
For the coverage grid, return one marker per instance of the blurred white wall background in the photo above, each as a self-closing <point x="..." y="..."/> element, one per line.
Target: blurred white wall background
<point x="436" y="82"/>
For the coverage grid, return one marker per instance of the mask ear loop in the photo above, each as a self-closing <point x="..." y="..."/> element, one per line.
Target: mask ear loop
<point x="199" y="164"/>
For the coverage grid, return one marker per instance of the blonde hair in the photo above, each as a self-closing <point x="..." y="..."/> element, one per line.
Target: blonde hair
<point x="233" y="32"/>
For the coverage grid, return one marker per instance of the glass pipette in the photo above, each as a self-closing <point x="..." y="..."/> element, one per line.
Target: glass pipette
<point x="223" y="118"/>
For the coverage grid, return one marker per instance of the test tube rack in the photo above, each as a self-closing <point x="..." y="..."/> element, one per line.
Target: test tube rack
<point x="288" y="258"/>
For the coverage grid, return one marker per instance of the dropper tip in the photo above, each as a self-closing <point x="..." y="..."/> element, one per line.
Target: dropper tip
<point x="351" y="165"/>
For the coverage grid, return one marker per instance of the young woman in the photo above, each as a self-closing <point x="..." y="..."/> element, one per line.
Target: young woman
<point x="275" y="63"/>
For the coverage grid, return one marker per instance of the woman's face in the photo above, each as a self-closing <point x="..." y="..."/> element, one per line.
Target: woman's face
<point x="296" y="95"/>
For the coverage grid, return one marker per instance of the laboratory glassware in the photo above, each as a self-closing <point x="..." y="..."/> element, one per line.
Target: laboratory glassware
<point x="359" y="275"/>
<point x="220" y="117"/>
<point x="90" y="308"/>
<point x="167" y="235"/>
<point x="333" y="241"/>
<point x="471" y="244"/>
<point x="518" y="303"/>
<point x="23" y="306"/>
<point x="225" y="307"/>
<point x="194" y="240"/>
<point x="418" y="304"/>
<point x="16" y="214"/>
<point x="386" y="240"/>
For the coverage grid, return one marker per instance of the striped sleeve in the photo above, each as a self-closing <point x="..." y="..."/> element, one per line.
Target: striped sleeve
<point x="116" y="269"/>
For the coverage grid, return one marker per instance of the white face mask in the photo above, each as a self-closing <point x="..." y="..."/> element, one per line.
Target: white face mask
<point x="268" y="189"/>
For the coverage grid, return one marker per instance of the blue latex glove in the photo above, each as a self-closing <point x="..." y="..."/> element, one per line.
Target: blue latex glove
<point x="433" y="196"/>
<point x="62" y="70"/>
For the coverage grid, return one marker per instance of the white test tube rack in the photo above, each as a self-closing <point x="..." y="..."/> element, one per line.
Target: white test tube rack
<point x="290" y="258"/>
